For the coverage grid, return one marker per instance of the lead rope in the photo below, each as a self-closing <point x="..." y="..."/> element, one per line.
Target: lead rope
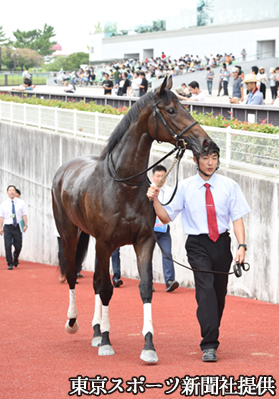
<point x="236" y="267"/>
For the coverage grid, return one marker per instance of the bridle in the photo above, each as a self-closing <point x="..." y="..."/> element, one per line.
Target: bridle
<point x="180" y="147"/>
<point x="176" y="136"/>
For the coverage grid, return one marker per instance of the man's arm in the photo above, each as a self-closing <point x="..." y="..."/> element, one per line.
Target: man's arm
<point x="1" y="225"/>
<point x="152" y="194"/>
<point x="25" y="223"/>
<point x="239" y="232"/>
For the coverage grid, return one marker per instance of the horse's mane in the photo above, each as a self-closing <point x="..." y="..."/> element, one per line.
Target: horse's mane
<point x="131" y="117"/>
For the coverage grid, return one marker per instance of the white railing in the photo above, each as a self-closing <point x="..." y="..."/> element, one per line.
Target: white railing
<point x="251" y="150"/>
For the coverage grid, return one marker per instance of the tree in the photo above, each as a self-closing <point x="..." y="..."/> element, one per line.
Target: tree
<point x="7" y="57"/>
<point x="75" y="60"/>
<point x="3" y="42"/>
<point x="59" y="62"/>
<point x="98" y="28"/>
<point x="36" y="39"/>
<point x="28" y="58"/>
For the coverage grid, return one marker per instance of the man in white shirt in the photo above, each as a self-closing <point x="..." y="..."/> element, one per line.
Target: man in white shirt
<point x="12" y="211"/>
<point x="162" y="232"/>
<point x="207" y="202"/>
<point x="197" y="94"/>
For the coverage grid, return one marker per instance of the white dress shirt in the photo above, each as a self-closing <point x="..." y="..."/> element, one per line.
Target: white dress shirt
<point x="229" y="201"/>
<point x="6" y="210"/>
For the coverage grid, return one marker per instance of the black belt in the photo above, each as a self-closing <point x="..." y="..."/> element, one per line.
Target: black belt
<point x="225" y="234"/>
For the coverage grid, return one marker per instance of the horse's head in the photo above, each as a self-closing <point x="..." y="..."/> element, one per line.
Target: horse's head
<point x="171" y="122"/>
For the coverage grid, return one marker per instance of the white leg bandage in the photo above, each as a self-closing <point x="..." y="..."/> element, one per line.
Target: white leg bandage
<point x="97" y="311"/>
<point x="105" y="325"/>
<point x="147" y="319"/>
<point x="72" y="311"/>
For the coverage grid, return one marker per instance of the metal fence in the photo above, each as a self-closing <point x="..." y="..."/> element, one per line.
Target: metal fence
<point x="239" y="148"/>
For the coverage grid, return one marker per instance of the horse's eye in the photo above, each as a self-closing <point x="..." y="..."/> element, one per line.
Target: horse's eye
<point x="171" y="111"/>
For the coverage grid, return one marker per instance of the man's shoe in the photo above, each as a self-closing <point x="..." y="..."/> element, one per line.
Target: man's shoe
<point x="153" y="289"/>
<point x="172" y="285"/>
<point x="79" y="275"/>
<point x="117" y="282"/>
<point x="10" y="267"/>
<point x="209" y="355"/>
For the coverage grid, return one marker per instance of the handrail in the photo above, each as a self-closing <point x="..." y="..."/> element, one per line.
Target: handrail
<point x="244" y="149"/>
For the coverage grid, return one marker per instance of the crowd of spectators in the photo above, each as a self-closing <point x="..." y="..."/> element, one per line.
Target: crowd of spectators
<point x="130" y="77"/>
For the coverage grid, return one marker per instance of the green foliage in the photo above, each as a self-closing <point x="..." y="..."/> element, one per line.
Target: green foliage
<point x="75" y="60"/>
<point x="3" y="40"/>
<point x="7" y="57"/>
<point x="220" y="121"/>
<point x="70" y="104"/>
<point x="98" y="27"/>
<point x="60" y="62"/>
<point x="36" y="39"/>
<point x="27" y="58"/>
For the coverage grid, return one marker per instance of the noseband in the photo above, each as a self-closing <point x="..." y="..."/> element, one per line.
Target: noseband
<point x="157" y="112"/>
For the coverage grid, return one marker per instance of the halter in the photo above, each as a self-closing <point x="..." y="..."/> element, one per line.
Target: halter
<point x="157" y="112"/>
<point x="180" y="148"/>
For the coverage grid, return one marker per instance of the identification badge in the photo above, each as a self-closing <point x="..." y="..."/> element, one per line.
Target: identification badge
<point x="160" y="227"/>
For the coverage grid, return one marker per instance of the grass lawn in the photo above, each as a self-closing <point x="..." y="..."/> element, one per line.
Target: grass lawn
<point x="17" y="80"/>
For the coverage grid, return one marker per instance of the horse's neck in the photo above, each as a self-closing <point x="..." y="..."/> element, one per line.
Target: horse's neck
<point x="131" y="154"/>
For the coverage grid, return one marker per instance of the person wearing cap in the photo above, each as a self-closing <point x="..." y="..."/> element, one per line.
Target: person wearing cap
<point x="207" y="201"/>
<point x="254" y="97"/>
<point x="262" y="78"/>
<point x="237" y="95"/>
<point x="272" y="84"/>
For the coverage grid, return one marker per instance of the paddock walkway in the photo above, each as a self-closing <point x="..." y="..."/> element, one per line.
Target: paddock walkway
<point x="38" y="357"/>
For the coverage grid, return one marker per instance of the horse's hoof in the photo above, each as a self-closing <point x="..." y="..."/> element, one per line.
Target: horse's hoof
<point x="105" y="350"/>
<point x="71" y="330"/>
<point x="149" y="356"/>
<point x="96" y="341"/>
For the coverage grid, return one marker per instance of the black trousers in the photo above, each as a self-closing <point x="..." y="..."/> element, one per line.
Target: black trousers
<point x="211" y="289"/>
<point x="12" y="236"/>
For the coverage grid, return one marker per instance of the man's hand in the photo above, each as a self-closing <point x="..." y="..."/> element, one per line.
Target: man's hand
<point x="24" y="229"/>
<point x="240" y="255"/>
<point x="152" y="193"/>
<point x="1" y="231"/>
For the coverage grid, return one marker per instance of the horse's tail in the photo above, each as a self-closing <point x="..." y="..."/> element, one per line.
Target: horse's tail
<point x="81" y="249"/>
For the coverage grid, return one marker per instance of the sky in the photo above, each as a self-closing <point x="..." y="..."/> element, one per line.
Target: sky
<point x="73" y="21"/>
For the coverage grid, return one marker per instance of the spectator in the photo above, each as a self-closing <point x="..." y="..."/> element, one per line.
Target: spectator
<point x="240" y="72"/>
<point x="243" y="53"/>
<point x="262" y="78"/>
<point x="107" y="85"/>
<point x="134" y="89"/>
<point x="12" y="210"/>
<point x="221" y="76"/>
<point x="162" y="232"/>
<point x="254" y="70"/>
<point x="27" y="85"/>
<point x="116" y="76"/>
<point x="70" y="87"/>
<point x="255" y="97"/>
<point x="276" y="102"/>
<point x="123" y="85"/>
<point x="237" y="95"/>
<point x="272" y="84"/>
<point x="209" y="79"/>
<point x="183" y="92"/>
<point x="26" y="74"/>
<point x="226" y="79"/>
<point x="91" y="76"/>
<point x="143" y="85"/>
<point x="277" y="78"/>
<point x="197" y="94"/>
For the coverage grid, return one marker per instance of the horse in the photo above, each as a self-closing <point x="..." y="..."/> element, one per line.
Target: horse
<point x="92" y="196"/>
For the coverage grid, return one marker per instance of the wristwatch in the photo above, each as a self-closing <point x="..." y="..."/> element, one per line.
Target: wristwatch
<point x="243" y="245"/>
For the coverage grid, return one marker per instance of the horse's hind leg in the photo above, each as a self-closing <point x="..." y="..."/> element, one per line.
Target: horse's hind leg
<point x="70" y="237"/>
<point x="144" y="253"/>
<point x="96" y="322"/>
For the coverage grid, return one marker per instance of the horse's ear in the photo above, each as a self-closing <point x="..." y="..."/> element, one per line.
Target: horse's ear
<point x="163" y="85"/>
<point x="169" y="84"/>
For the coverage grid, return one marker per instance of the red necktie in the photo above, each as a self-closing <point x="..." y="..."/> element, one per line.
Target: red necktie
<point x="211" y="215"/>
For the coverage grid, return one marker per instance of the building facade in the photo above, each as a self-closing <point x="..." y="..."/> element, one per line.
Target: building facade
<point x="205" y="27"/>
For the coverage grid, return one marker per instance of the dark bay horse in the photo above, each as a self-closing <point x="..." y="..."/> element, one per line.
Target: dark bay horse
<point x="86" y="201"/>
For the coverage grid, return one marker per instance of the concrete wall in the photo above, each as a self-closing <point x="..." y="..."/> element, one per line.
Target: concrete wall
<point x="29" y="158"/>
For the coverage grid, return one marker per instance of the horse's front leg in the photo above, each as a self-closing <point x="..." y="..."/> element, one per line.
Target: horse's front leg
<point x="144" y="254"/>
<point x="103" y="293"/>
